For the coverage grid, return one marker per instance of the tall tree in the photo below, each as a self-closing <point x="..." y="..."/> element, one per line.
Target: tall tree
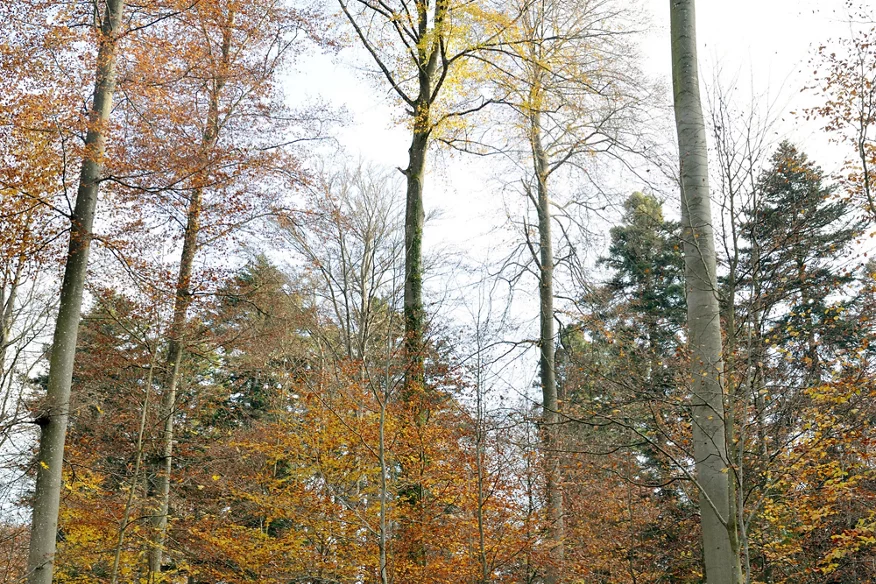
<point x="220" y="23"/>
<point x="54" y="413"/>
<point x="569" y="78"/>
<point x="801" y="229"/>
<point x="421" y="48"/>
<point x="703" y="310"/>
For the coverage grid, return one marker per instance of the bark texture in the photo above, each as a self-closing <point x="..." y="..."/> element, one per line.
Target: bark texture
<point x="547" y="358"/>
<point x="704" y="325"/>
<point x="55" y="411"/>
<point x="414" y="219"/>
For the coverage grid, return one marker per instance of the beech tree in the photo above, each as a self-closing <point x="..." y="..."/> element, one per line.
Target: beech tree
<point x="704" y="326"/>
<point x="741" y="137"/>
<point x="568" y="78"/>
<point x="54" y="414"/>
<point x="422" y="50"/>
<point x="213" y="148"/>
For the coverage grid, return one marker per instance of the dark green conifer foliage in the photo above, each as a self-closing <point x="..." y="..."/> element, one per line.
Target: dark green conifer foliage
<point x="648" y="269"/>
<point x="799" y="234"/>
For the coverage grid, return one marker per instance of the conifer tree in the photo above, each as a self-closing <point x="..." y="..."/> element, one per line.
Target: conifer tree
<point x="797" y="234"/>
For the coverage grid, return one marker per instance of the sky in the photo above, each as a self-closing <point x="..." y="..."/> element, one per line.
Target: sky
<point x="760" y="46"/>
<point x="765" y="44"/>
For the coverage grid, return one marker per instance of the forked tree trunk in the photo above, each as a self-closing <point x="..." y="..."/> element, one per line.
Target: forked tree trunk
<point x="56" y="410"/>
<point x="704" y="327"/>
<point x="428" y="51"/>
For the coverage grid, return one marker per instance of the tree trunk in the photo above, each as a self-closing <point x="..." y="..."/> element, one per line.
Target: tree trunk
<point x="547" y="359"/>
<point x="56" y="410"/>
<point x="480" y="432"/>
<point x="704" y="327"/>
<point x="414" y="219"/>
<point x="381" y="454"/>
<point x="182" y="301"/>
<point x="129" y="502"/>
<point x="427" y="64"/>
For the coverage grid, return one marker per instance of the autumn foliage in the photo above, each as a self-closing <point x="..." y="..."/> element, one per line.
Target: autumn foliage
<point x="268" y="360"/>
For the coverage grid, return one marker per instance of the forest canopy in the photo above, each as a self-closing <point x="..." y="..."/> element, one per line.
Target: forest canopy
<point x="566" y="317"/>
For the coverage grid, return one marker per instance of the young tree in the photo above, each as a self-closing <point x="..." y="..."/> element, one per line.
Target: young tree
<point x="741" y="144"/>
<point x="351" y="243"/>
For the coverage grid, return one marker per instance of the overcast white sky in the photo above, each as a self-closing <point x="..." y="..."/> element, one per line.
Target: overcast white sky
<point x="764" y="44"/>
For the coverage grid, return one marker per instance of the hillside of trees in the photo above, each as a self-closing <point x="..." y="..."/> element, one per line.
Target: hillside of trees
<point x="231" y="350"/>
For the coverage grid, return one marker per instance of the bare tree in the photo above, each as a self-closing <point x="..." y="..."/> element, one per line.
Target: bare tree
<point x="741" y="146"/>
<point x="572" y="84"/>
<point x="350" y="242"/>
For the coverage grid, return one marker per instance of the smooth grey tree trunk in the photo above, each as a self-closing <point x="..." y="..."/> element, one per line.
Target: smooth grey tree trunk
<point x="55" y="411"/>
<point x="547" y="358"/>
<point x="704" y="325"/>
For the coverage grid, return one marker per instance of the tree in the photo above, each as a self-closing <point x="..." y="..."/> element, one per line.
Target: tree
<point x="568" y="79"/>
<point x="798" y="233"/>
<point x="795" y="238"/>
<point x="101" y="512"/>
<point x="351" y="244"/>
<point x="741" y="143"/>
<point x="55" y="411"/>
<point x="622" y="365"/>
<point x="818" y="522"/>
<point x="704" y="326"/>
<point x="422" y="49"/>
<point x="648" y="274"/>
<point x="845" y="79"/>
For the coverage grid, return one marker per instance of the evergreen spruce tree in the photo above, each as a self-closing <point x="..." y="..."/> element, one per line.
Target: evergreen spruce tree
<point x="798" y="234"/>
<point x="648" y="270"/>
